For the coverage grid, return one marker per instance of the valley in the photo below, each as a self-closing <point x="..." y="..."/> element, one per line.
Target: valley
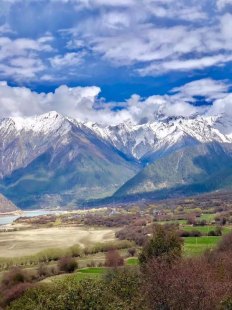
<point x="96" y="241"/>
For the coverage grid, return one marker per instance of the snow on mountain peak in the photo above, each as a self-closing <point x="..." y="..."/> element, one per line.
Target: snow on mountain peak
<point x="135" y="140"/>
<point x="41" y="123"/>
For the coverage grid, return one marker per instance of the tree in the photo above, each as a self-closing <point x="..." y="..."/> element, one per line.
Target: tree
<point x="165" y="244"/>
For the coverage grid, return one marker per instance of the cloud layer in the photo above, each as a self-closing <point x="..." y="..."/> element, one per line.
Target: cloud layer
<point x="85" y="104"/>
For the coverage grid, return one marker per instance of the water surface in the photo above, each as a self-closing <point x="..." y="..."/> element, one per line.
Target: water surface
<point x="10" y="218"/>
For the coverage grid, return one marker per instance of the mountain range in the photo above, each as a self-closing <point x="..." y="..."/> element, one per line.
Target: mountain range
<point x="53" y="160"/>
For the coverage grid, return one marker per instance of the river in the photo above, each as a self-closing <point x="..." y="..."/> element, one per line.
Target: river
<point x="8" y="219"/>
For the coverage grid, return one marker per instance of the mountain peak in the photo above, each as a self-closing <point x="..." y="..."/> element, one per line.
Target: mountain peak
<point x="40" y="123"/>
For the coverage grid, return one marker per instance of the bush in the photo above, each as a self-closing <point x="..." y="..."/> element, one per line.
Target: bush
<point x="15" y="292"/>
<point x="43" y="271"/>
<point x="188" y="284"/>
<point x="118" y="291"/>
<point x="138" y="234"/>
<point x="15" y="276"/>
<point x="113" y="259"/>
<point x="132" y="252"/>
<point x="225" y="245"/>
<point x="193" y="233"/>
<point x="91" y="264"/>
<point x="67" y="264"/>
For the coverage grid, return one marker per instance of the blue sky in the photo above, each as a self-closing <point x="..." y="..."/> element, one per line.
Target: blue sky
<point x="123" y="47"/>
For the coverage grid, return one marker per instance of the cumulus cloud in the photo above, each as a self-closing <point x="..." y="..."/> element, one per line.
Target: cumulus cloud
<point x="85" y="104"/>
<point x="21" y="101"/>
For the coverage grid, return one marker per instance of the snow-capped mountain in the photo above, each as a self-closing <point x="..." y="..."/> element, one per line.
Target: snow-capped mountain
<point x="160" y="136"/>
<point x="52" y="154"/>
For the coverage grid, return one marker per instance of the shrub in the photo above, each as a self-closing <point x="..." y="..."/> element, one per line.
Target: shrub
<point x="132" y="251"/>
<point x="225" y="244"/>
<point x="193" y="233"/>
<point x="15" y="292"/>
<point x="189" y="284"/>
<point x="43" y="271"/>
<point x="75" y="251"/>
<point x="113" y="259"/>
<point x="15" y="276"/>
<point x="91" y="264"/>
<point x="67" y="264"/>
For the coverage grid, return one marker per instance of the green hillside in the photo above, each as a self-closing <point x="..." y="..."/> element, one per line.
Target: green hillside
<point x="191" y="170"/>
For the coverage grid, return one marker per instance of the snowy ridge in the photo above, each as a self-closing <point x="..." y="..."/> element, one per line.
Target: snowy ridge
<point x="137" y="141"/>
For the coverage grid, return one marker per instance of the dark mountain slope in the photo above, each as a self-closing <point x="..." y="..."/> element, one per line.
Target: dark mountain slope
<point x="193" y="169"/>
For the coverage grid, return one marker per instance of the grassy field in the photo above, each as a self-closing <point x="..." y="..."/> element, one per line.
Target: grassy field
<point x="196" y="246"/>
<point x="204" y="229"/>
<point x="208" y="217"/>
<point x="80" y="274"/>
<point x="32" y="241"/>
<point x="133" y="261"/>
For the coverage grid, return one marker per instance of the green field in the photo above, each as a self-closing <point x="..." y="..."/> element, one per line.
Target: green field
<point x="133" y="261"/>
<point x="93" y="270"/>
<point x="204" y="229"/>
<point x="183" y="222"/>
<point x="208" y="216"/>
<point x="196" y="246"/>
<point x="80" y="274"/>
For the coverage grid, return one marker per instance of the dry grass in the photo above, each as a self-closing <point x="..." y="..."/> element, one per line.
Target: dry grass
<point x="32" y="241"/>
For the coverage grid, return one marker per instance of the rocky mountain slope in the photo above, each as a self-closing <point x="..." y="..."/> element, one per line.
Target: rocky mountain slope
<point x="152" y="140"/>
<point x="56" y="160"/>
<point x="7" y="207"/>
<point x="52" y="155"/>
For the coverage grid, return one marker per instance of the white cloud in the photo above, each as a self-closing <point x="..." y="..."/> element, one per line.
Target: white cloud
<point x="135" y="37"/>
<point x="5" y="28"/>
<point x="21" y="101"/>
<point x="22" y="46"/>
<point x="69" y="59"/>
<point x="222" y="106"/>
<point x="84" y="103"/>
<point x="185" y="65"/>
<point x="208" y="88"/>
<point x="150" y="37"/>
<point x="222" y="3"/>
<point x="20" y="58"/>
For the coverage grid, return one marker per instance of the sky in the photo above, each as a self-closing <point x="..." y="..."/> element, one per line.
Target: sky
<point x="113" y="60"/>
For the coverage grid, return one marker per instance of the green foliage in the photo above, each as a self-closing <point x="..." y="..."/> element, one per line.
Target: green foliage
<point x="118" y="290"/>
<point x="164" y="244"/>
